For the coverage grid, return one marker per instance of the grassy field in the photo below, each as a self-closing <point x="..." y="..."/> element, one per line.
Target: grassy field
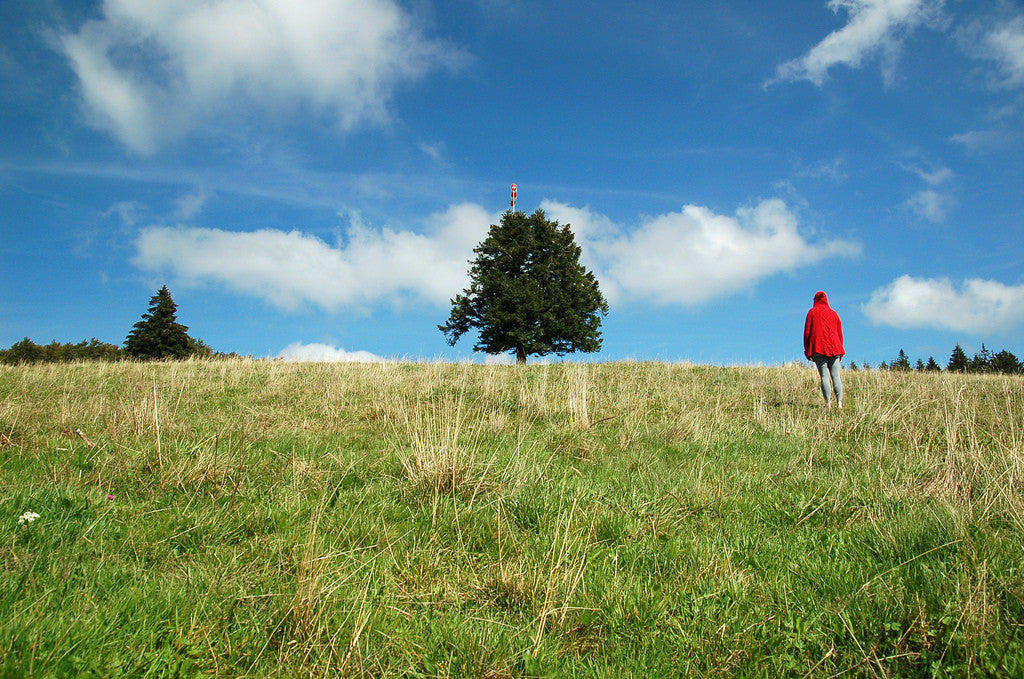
<point x="624" y="519"/>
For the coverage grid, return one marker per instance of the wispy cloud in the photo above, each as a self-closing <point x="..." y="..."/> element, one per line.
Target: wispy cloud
<point x="191" y="204"/>
<point x="930" y="205"/>
<point x="822" y="169"/>
<point x="976" y="305"/>
<point x="1006" y="46"/>
<point x="126" y="210"/>
<point x="986" y="141"/>
<point x="150" y="72"/>
<point x="874" y="27"/>
<point x="435" y="151"/>
<point x="999" y="40"/>
<point x="325" y="353"/>
<point x="932" y="176"/>
<point x="695" y="255"/>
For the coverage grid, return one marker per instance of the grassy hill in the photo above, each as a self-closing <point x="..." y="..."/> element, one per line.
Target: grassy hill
<point x="240" y="518"/>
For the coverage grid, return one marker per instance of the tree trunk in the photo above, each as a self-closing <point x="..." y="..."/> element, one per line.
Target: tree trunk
<point x="520" y="356"/>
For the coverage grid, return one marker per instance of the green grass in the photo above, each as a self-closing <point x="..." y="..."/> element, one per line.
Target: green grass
<point x="628" y="519"/>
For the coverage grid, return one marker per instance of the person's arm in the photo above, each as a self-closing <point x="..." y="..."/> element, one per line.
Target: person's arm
<point x="842" y="342"/>
<point x="808" y="326"/>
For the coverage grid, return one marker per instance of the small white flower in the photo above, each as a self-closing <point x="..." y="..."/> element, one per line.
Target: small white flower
<point x="27" y="517"/>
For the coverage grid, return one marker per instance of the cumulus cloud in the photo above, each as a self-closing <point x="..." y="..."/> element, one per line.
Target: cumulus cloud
<point x="977" y="306"/>
<point x="874" y="27"/>
<point x="695" y="255"/>
<point x="686" y="258"/>
<point x="325" y="353"/>
<point x="149" y="72"/>
<point x="290" y="268"/>
<point x="507" y="359"/>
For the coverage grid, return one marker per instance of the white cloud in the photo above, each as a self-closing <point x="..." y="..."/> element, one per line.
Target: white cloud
<point x="977" y="306"/>
<point x="435" y="151"/>
<point x="127" y="210"/>
<point x="695" y="255"/>
<point x="984" y="141"/>
<point x="325" y="353"/>
<point x="822" y="169"/>
<point x="1005" y="44"/>
<point x="930" y="205"/>
<point x="874" y="26"/>
<point x="150" y="71"/>
<point x="290" y="269"/>
<point x="191" y="204"/>
<point x="1000" y="41"/>
<point x="505" y="359"/>
<point x="686" y="258"/>
<point x="933" y="176"/>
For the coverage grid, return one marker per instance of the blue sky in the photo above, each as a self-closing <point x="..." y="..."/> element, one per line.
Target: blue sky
<point x="309" y="178"/>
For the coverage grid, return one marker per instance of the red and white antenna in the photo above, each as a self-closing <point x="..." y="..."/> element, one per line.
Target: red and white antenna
<point x="515" y="189"/>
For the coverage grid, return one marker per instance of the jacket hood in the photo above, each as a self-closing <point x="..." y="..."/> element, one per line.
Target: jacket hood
<point x="820" y="298"/>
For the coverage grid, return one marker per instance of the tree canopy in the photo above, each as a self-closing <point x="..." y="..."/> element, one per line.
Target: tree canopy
<point x="528" y="292"/>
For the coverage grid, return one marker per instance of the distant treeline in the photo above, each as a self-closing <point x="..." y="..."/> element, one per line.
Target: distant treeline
<point x="27" y="351"/>
<point x="157" y="337"/>
<point x="983" y="362"/>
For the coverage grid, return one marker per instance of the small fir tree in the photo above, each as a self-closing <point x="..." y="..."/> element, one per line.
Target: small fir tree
<point x="158" y="335"/>
<point x="528" y="293"/>
<point x="902" y="362"/>
<point x="932" y="365"/>
<point x="982" y="361"/>
<point x="957" y="360"/>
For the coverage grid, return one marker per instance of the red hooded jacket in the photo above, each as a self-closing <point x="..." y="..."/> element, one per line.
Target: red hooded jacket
<point x="823" y="331"/>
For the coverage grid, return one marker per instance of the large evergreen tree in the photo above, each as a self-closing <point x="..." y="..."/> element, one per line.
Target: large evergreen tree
<point x="158" y="335"/>
<point x="528" y="292"/>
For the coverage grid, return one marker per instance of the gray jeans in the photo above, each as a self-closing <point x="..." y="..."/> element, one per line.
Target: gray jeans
<point x="828" y="369"/>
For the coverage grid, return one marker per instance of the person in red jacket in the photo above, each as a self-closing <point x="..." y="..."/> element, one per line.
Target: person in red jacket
<point x="823" y="344"/>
